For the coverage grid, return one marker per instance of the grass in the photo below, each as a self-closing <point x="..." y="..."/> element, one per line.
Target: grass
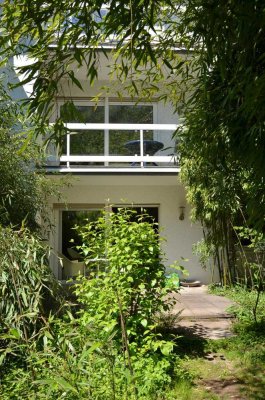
<point x="227" y="368"/>
<point x="245" y="302"/>
<point x="232" y="368"/>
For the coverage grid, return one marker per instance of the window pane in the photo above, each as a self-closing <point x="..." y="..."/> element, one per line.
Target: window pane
<point x="82" y="114"/>
<point x="130" y="114"/>
<point x="87" y="143"/>
<point x="70" y="236"/>
<point x="150" y="214"/>
<point x="84" y="142"/>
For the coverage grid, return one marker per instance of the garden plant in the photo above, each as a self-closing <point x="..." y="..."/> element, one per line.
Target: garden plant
<point x="107" y="344"/>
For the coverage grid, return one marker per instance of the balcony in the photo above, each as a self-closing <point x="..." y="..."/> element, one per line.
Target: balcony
<point x="112" y="147"/>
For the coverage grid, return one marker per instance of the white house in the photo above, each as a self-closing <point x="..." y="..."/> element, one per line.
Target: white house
<point x="119" y="152"/>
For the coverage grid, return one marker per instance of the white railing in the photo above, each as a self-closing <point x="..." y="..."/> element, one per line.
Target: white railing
<point x="142" y="159"/>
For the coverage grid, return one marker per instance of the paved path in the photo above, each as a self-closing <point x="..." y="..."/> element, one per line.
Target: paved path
<point x="202" y="314"/>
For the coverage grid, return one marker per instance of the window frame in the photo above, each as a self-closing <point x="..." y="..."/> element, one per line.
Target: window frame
<point x="140" y="205"/>
<point x="106" y="103"/>
<point x="74" y="207"/>
<point x="58" y="209"/>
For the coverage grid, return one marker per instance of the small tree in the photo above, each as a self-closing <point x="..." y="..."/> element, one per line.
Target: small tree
<point x="129" y="281"/>
<point x="124" y="293"/>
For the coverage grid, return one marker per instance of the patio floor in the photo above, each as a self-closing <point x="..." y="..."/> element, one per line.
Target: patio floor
<point x="202" y="314"/>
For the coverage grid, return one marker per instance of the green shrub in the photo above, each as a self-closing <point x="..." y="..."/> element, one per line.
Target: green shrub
<point x="131" y="282"/>
<point x="125" y="292"/>
<point x="110" y="348"/>
<point x="25" y="278"/>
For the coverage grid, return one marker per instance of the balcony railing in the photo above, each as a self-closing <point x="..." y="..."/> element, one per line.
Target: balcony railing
<point x="131" y="147"/>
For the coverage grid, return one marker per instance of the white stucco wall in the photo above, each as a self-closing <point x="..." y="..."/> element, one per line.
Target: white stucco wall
<point x="162" y="191"/>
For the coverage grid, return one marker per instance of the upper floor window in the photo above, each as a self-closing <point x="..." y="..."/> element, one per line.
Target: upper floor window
<point x="106" y="142"/>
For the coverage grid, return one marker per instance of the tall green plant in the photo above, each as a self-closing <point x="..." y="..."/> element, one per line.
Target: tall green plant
<point x="217" y="188"/>
<point x="125" y="289"/>
<point x="25" y="281"/>
<point x="109" y="348"/>
<point x="131" y="267"/>
<point x="24" y="272"/>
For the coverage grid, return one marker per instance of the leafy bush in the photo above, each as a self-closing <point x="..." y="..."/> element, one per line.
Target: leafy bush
<point x="71" y="364"/>
<point x="24" y="279"/>
<point x="110" y="348"/>
<point x="28" y="293"/>
<point x="128" y="281"/>
<point x="125" y="291"/>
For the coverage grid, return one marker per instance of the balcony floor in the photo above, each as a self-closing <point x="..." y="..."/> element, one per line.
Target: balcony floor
<point x="120" y="169"/>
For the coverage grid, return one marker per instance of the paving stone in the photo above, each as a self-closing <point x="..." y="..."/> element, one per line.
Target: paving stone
<point x="207" y="329"/>
<point x="202" y="314"/>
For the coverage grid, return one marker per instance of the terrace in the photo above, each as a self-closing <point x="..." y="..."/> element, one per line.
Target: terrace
<point x="116" y="147"/>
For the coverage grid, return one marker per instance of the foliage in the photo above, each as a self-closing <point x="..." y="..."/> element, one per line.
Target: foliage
<point x="24" y="188"/>
<point x="125" y="291"/>
<point x="23" y="191"/>
<point x="223" y="142"/>
<point x="133" y="270"/>
<point x="247" y="348"/>
<point x="219" y="187"/>
<point x="68" y="363"/>
<point x="248" y="267"/>
<point x="172" y="281"/>
<point x="250" y="255"/>
<point x="230" y="77"/>
<point x="25" y="280"/>
<point x="18" y="191"/>
<point x="28" y="293"/>
<point x="245" y="303"/>
<point x="60" y="37"/>
<point x="109" y="348"/>
<point x="28" y="290"/>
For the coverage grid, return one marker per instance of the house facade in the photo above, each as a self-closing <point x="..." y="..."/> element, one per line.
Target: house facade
<point x="118" y="152"/>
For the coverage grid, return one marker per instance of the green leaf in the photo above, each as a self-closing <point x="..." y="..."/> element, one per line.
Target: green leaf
<point x="15" y="333"/>
<point x="59" y="381"/>
<point x="144" y="322"/>
<point x="24" y="297"/>
<point x="75" y="80"/>
<point x="167" y="348"/>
